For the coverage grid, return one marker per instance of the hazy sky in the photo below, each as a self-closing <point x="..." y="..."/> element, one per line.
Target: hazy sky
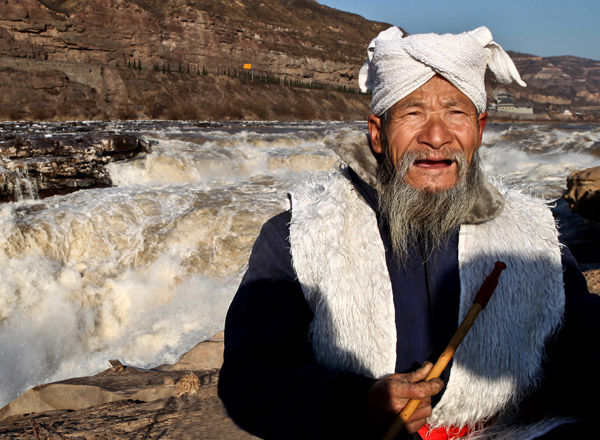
<point x="539" y="27"/>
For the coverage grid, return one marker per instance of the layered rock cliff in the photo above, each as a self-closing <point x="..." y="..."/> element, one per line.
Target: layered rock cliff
<point x="176" y="59"/>
<point x="127" y="58"/>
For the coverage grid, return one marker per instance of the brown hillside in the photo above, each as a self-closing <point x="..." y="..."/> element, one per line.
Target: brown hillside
<point x="566" y="82"/>
<point x="155" y="59"/>
<point x="106" y="59"/>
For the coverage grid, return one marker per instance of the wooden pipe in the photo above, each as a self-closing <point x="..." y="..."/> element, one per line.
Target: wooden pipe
<point x="479" y="303"/>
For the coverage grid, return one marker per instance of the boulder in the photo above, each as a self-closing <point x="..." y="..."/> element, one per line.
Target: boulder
<point x="205" y="355"/>
<point x="583" y="193"/>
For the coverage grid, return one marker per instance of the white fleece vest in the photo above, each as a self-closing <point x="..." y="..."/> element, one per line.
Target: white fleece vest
<point x="339" y="258"/>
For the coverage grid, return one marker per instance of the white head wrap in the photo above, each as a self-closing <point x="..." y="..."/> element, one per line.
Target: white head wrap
<point x="397" y="66"/>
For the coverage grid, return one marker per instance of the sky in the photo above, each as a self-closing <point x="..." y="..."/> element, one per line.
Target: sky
<point x="538" y="27"/>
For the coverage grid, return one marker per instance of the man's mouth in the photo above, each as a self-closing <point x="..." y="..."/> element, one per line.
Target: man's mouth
<point x="433" y="163"/>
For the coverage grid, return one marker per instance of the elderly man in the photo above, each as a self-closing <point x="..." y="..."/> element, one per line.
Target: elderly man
<point x="351" y="294"/>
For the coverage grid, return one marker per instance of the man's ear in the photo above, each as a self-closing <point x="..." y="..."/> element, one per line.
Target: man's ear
<point x="482" y="121"/>
<point x="375" y="134"/>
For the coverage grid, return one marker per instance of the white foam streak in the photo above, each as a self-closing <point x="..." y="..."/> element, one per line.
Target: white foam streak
<point x="224" y="161"/>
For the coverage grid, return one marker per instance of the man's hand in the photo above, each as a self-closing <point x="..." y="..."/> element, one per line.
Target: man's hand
<point x="388" y="397"/>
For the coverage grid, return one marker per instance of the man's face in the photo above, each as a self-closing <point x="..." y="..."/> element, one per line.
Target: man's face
<point x="435" y="122"/>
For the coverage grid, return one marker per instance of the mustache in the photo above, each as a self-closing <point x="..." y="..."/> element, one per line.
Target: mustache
<point x="389" y="171"/>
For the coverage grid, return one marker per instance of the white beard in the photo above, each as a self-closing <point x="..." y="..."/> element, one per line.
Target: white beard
<point x="422" y="216"/>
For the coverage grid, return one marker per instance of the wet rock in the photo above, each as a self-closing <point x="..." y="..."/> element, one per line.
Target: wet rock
<point x="583" y="193"/>
<point x="39" y="165"/>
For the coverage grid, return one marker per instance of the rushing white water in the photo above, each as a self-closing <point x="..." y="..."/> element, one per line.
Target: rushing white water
<point x="144" y="270"/>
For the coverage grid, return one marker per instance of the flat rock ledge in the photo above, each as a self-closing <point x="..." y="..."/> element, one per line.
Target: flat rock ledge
<point x="176" y="401"/>
<point x="37" y="165"/>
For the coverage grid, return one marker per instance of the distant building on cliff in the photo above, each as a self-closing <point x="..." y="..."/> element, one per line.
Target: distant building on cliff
<point x="505" y="102"/>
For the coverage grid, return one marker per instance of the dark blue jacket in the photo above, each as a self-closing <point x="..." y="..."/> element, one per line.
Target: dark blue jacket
<point x="273" y="388"/>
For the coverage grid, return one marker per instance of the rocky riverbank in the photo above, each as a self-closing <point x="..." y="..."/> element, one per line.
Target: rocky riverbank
<point x="41" y="165"/>
<point x="176" y="401"/>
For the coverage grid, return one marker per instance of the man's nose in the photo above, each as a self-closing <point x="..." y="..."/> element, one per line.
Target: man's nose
<point x="435" y="133"/>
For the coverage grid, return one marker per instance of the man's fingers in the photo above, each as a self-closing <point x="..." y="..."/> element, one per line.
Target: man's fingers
<point x="421" y="414"/>
<point x="417" y="420"/>
<point x="388" y="397"/>
<point x="421" y="373"/>
<point x="420" y="390"/>
<point x="424" y="403"/>
<point x="414" y="426"/>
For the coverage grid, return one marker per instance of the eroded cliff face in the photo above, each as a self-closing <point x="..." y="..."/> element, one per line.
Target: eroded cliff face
<point x="106" y="59"/>
<point x="124" y="59"/>
<point x="112" y="32"/>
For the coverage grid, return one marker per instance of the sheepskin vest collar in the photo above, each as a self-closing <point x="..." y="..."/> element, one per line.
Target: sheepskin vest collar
<point x="339" y="257"/>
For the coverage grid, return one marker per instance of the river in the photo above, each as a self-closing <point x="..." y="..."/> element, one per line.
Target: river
<point x="144" y="270"/>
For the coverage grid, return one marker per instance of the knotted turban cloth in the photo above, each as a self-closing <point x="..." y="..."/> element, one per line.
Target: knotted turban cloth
<point x="397" y="66"/>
